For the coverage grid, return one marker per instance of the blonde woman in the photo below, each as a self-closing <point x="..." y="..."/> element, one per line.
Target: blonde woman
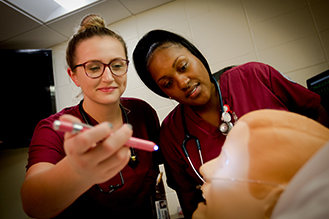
<point x="67" y="176"/>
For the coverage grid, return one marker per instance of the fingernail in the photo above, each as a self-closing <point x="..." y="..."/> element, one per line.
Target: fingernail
<point x="130" y="126"/>
<point x="111" y="126"/>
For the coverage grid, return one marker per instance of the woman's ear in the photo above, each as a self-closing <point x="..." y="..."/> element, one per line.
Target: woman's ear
<point x="73" y="77"/>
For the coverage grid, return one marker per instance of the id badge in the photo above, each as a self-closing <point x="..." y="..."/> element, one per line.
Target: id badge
<point x="161" y="209"/>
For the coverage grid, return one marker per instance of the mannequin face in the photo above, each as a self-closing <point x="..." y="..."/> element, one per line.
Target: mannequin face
<point x="227" y="177"/>
<point x="260" y="155"/>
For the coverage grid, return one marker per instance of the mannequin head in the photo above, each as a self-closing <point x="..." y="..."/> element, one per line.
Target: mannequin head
<point x="261" y="154"/>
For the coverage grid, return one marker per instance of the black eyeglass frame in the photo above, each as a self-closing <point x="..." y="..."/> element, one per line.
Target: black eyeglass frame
<point x="112" y="187"/>
<point x="104" y="65"/>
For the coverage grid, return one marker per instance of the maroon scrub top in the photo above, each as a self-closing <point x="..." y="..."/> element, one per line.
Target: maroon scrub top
<point x="133" y="198"/>
<point x="244" y="88"/>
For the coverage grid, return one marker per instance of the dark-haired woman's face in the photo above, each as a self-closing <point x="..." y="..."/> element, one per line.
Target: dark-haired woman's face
<point x="180" y="75"/>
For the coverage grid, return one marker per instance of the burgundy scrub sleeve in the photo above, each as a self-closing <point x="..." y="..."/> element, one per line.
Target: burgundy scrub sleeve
<point x="297" y="98"/>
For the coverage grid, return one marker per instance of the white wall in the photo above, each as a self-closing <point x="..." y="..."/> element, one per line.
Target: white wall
<point x="290" y="35"/>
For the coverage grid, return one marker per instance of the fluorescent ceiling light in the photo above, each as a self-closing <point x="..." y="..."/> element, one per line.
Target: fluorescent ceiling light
<point x="48" y="10"/>
<point x="73" y="4"/>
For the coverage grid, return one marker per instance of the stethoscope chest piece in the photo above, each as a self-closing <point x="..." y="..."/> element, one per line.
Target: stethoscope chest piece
<point x="226" y="117"/>
<point x="225" y="127"/>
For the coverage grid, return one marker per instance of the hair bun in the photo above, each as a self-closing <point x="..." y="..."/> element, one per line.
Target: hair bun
<point x="91" y="21"/>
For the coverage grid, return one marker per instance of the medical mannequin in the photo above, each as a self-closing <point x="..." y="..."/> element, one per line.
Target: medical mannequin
<point x="261" y="154"/>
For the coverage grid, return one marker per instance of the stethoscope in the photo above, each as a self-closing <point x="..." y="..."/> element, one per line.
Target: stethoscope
<point x="224" y="127"/>
<point x="134" y="158"/>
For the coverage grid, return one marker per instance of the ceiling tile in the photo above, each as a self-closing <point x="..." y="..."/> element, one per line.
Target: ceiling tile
<point x="27" y="24"/>
<point x="111" y="11"/>
<point x="39" y="38"/>
<point x="142" y="5"/>
<point x="15" y="22"/>
<point x="39" y="9"/>
<point x="46" y="10"/>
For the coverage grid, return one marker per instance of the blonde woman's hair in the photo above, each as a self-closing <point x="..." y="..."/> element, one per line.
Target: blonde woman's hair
<point x="91" y="25"/>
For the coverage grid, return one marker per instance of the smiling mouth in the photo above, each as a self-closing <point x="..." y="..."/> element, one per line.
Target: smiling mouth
<point x="106" y="88"/>
<point x="191" y="91"/>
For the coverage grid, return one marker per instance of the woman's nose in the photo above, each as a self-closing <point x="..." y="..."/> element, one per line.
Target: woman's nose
<point x="183" y="82"/>
<point x="107" y="75"/>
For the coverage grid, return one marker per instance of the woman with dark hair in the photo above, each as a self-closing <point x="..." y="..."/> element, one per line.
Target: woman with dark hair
<point x="210" y="104"/>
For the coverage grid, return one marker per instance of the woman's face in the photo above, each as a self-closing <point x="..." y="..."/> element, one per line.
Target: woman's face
<point x="180" y="75"/>
<point x="107" y="88"/>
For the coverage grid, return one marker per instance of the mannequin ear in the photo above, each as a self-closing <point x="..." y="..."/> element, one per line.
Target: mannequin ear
<point x="73" y="77"/>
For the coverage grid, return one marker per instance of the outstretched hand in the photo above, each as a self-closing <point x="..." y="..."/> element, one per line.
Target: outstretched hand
<point x="97" y="154"/>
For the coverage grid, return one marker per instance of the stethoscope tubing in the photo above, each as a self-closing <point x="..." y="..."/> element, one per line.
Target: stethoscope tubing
<point x="219" y="93"/>
<point x="192" y="137"/>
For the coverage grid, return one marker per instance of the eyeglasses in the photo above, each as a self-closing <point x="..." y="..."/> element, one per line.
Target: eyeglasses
<point x="95" y="69"/>
<point x="112" y="187"/>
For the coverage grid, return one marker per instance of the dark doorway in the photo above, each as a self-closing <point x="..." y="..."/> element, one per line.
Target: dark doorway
<point x="26" y="94"/>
